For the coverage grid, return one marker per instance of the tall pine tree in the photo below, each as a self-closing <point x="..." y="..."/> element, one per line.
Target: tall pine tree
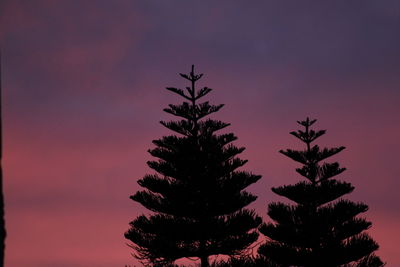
<point x="322" y="228"/>
<point x="197" y="193"/>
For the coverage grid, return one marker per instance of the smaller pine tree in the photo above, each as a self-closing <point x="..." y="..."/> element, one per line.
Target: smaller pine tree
<point x="322" y="228"/>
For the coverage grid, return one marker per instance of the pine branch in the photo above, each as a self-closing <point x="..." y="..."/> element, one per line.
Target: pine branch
<point x="304" y="193"/>
<point x="184" y="110"/>
<point x="205" y="109"/>
<point x="179" y="92"/>
<point x="202" y="92"/>
<point x="328" y="170"/>
<point x="186" y="128"/>
<point x="308" y="137"/>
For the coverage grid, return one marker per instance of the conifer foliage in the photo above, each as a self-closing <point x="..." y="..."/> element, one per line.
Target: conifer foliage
<point x="197" y="193"/>
<point x="322" y="228"/>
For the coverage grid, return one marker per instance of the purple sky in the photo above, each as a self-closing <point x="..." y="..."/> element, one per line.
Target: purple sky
<point x="83" y="89"/>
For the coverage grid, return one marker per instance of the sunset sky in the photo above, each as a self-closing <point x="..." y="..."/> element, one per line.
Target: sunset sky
<point x="83" y="93"/>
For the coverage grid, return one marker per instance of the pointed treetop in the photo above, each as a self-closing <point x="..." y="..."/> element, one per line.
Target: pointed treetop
<point x="192" y="94"/>
<point x="308" y="135"/>
<point x="191" y="76"/>
<point x="307" y="122"/>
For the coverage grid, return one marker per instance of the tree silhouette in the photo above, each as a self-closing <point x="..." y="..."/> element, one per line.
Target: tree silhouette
<point x="198" y="195"/>
<point x="316" y="231"/>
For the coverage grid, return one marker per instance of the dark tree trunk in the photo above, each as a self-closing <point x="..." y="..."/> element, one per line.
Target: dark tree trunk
<point x="204" y="261"/>
<point x="2" y="221"/>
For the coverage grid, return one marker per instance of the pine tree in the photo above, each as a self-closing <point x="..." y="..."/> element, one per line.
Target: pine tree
<point x="197" y="193"/>
<point x="322" y="228"/>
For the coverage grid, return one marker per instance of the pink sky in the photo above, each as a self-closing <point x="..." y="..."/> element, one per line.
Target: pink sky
<point x="83" y="91"/>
